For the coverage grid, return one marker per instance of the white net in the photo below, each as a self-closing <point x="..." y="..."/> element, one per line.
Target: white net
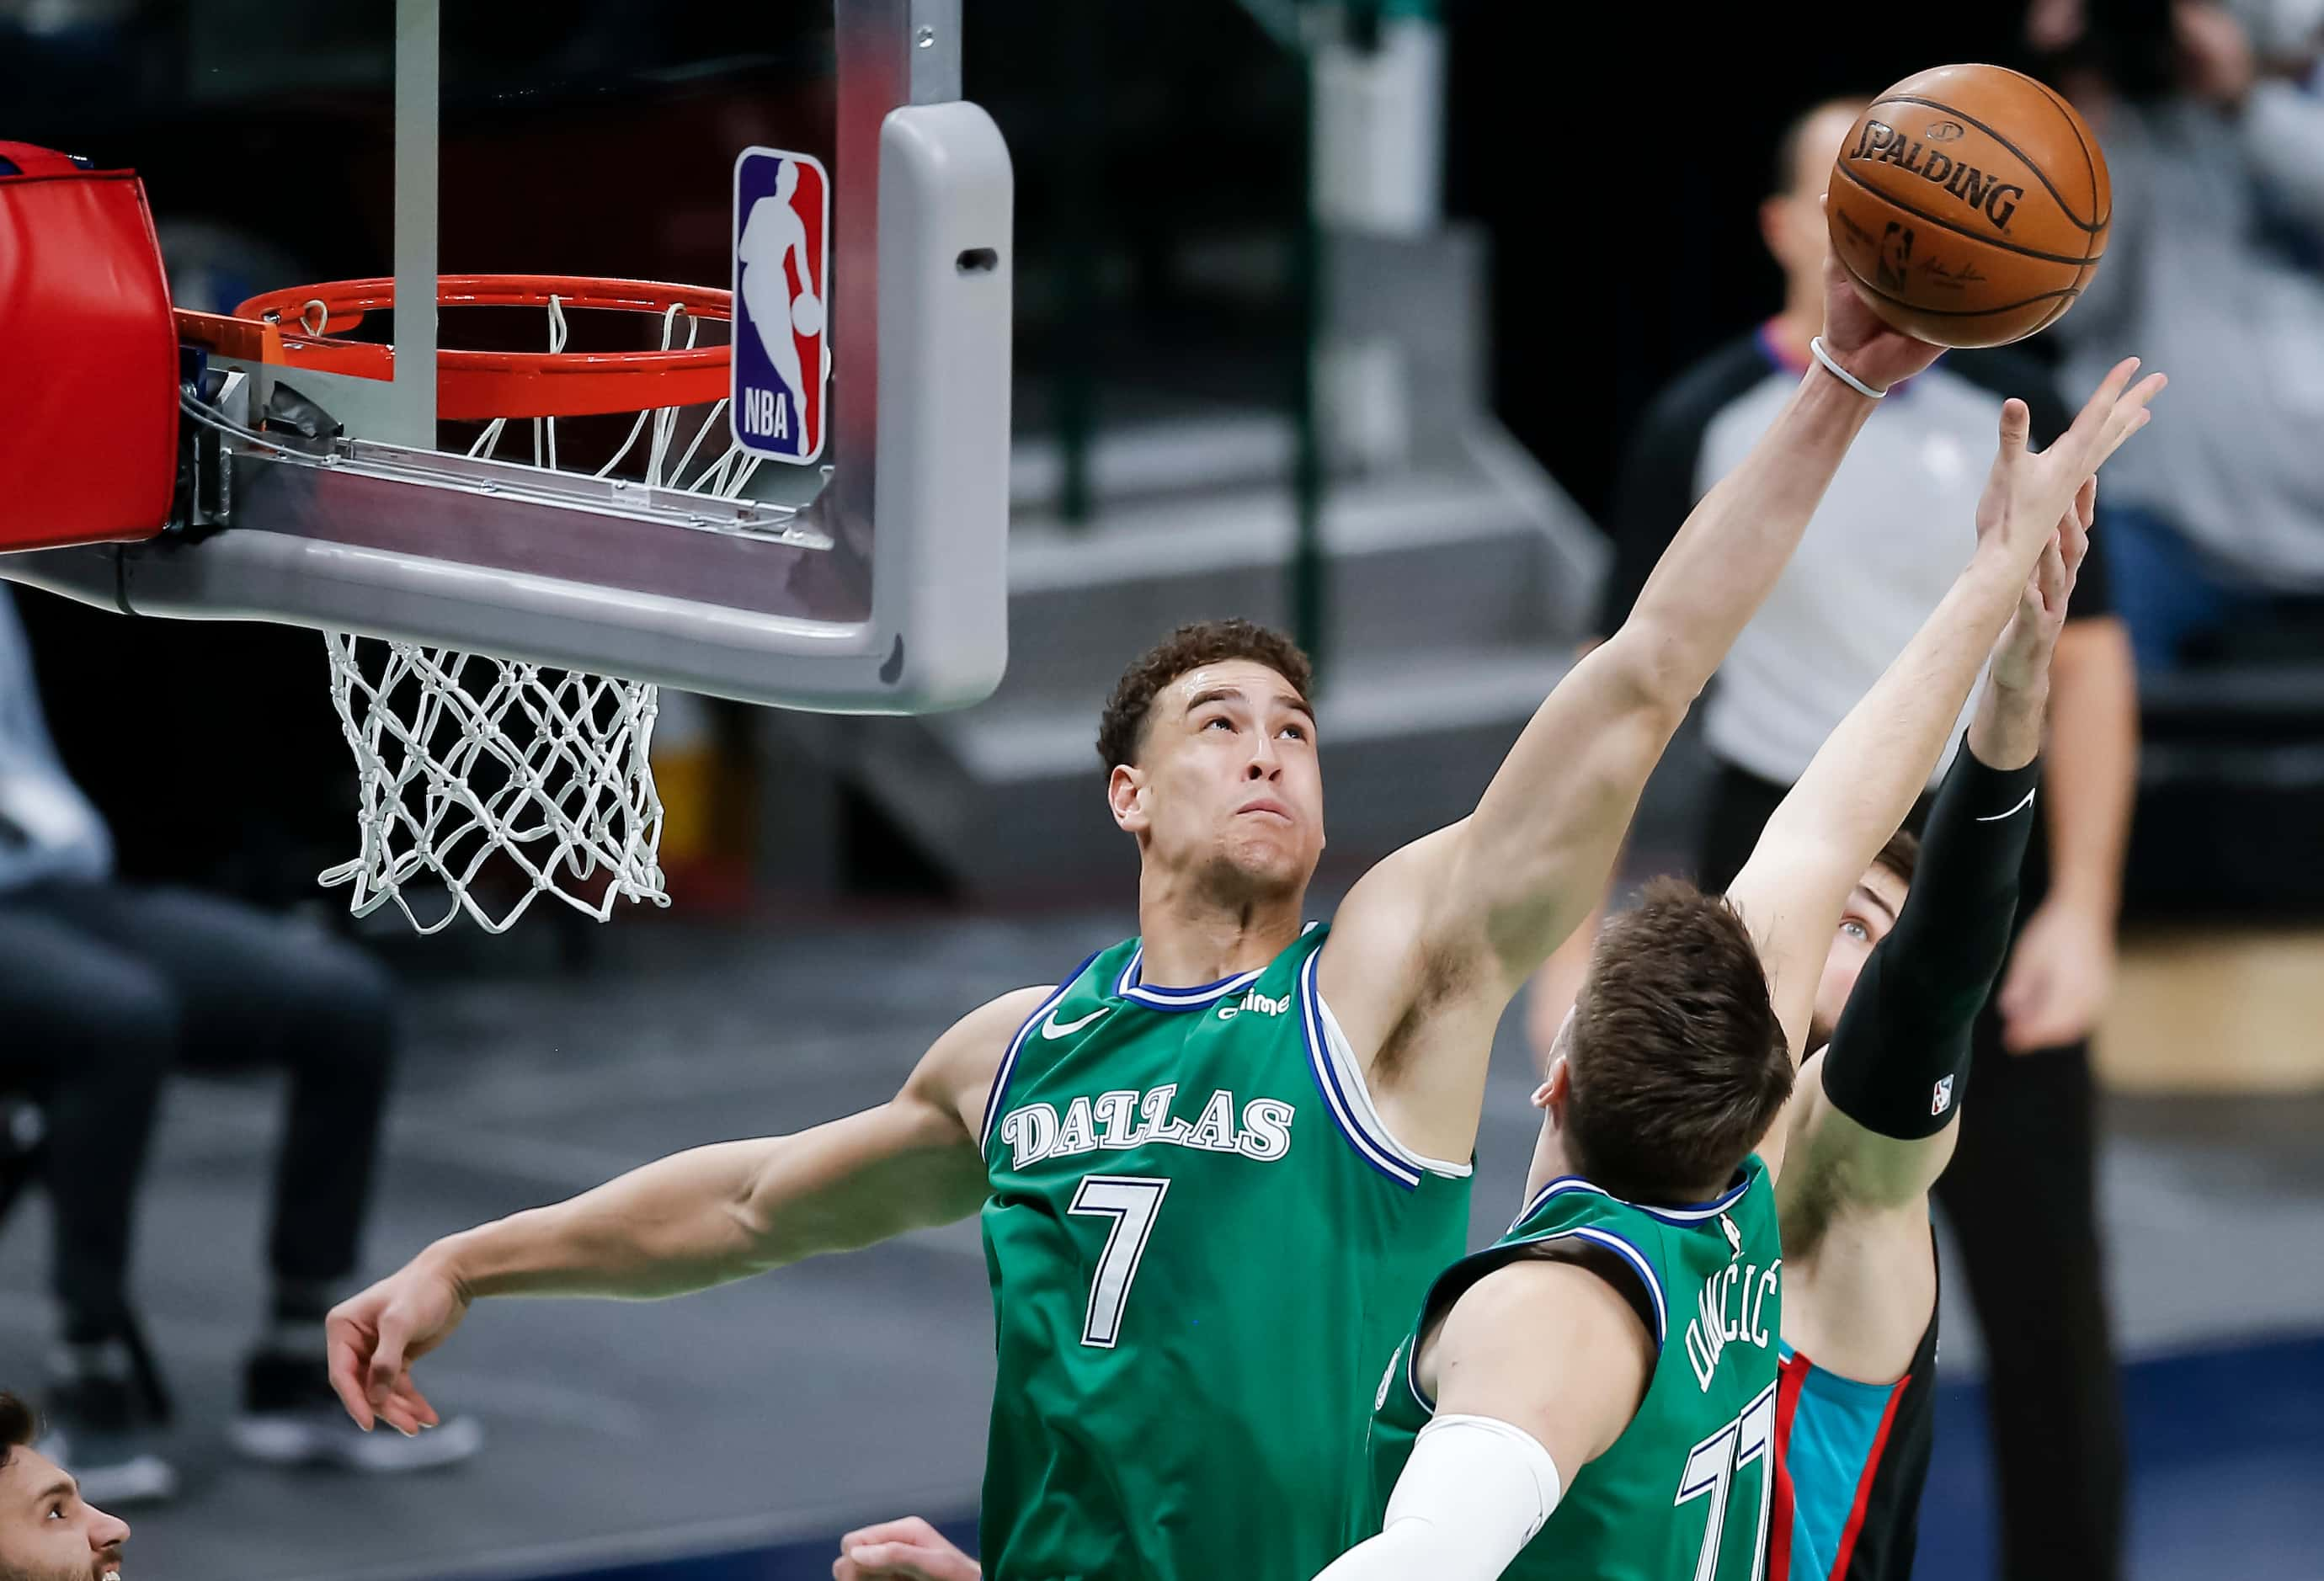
<point x="485" y="783"/>
<point x="475" y="768"/>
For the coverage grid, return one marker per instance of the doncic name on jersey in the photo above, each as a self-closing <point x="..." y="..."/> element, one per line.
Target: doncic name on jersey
<point x="782" y="285"/>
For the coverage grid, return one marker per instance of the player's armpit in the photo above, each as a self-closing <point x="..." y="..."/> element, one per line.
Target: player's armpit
<point x="1430" y="946"/>
<point x="1535" y="858"/>
<point x="1494" y="1356"/>
<point x="1856" y="1248"/>
<point x="1417" y="993"/>
<point x="1837" y="1166"/>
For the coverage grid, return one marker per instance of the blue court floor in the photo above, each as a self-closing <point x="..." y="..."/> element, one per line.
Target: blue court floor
<point x="2227" y="1447"/>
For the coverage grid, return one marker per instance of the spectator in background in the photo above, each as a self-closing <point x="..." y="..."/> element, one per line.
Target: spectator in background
<point x="1877" y="555"/>
<point x="104" y="988"/>
<point x="2212" y="118"/>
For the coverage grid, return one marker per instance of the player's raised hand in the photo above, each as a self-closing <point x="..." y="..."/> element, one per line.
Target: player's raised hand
<point x="2028" y="490"/>
<point x="1860" y="341"/>
<point x="910" y="1548"/>
<point x="2021" y="659"/>
<point x="2062" y="962"/>
<point x="373" y="1338"/>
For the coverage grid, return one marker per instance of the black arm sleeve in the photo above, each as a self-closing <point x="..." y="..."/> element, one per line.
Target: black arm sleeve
<point x="1898" y="1063"/>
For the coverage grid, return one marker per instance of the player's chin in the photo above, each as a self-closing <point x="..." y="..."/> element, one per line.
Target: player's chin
<point x="1271" y="857"/>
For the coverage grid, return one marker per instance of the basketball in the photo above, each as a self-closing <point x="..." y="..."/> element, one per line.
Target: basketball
<point x="1969" y="205"/>
<point x="807" y="314"/>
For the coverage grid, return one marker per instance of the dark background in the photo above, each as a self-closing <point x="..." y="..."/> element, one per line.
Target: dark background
<point x="1614" y="156"/>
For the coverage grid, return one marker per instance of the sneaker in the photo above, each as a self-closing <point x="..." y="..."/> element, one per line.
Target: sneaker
<point x="291" y="1416"/>
<point x="101" y="1428"/>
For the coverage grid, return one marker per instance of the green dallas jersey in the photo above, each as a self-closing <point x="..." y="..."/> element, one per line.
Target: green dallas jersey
<point x="1685" y="1489"/>
<point x="1200" y="1241"/>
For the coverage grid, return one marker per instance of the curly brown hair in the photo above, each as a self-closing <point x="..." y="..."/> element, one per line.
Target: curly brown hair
<point x="1121" y="728"/>
<point x="1677" y="1062"/>
<point x="18" y="1427"/>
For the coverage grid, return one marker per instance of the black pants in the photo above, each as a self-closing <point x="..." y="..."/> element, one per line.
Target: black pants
<point x="105" y="989"/>
<point x="2021" y="1195"/>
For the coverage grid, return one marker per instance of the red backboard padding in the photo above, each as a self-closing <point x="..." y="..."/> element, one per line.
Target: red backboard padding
<point x="89" y="356"/>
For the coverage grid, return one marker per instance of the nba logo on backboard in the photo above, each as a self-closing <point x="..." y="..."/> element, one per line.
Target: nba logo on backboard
<point x="1942" y="1099"/>
<point x="782" y="285"/>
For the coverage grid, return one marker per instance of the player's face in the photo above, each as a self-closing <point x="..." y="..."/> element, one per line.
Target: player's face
<point x="46" y="1532"/>
<point x="1226" y="785"/>
<point x="1794" y="222"/>
<point x="1870" y="912"/>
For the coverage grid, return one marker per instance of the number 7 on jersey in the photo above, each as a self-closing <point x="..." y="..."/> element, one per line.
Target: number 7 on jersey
<point x="1132" y="1202"/>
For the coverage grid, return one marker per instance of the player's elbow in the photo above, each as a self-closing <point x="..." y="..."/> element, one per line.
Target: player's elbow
<point x="1653" y="669"/>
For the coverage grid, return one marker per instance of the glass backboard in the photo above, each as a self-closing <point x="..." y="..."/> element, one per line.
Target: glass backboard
<point x="815" y="518"/>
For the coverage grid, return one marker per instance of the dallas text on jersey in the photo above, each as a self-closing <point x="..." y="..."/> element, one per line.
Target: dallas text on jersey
<point x="1126" y="1118"/>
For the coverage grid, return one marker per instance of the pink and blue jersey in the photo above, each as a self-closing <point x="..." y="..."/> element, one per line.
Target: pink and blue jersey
<point x="1850" y="1460"/>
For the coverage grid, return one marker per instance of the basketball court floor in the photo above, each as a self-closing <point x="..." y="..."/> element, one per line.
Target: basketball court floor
<point x="740" y="1431"/>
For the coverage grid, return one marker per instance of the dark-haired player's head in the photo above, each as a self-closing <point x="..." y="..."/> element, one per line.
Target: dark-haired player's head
<point x="47" y="1533"/>
<point x="1791" y="217"/>
<point x="1872" y="909"/>
<point x="1672" y="1064"/>
<point x="1209" y="748"/>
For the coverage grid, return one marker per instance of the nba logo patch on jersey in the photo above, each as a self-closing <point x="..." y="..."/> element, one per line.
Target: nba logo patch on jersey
<point x="1942" y="1100"/>
<point x="782" y="346"/>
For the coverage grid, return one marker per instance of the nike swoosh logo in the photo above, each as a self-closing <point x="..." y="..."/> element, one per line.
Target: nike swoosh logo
<point x="2013" y="812"/>
<point x="1050" y="1028"/>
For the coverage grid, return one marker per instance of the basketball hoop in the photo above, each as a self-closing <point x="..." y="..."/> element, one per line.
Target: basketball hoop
<point x="463" y="757"/>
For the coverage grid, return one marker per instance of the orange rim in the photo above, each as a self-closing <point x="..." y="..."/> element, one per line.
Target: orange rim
<point x="281" y="328"/>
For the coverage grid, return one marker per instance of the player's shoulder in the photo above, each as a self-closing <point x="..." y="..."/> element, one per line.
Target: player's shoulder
<point x="1601" y="1304"/>
<point x="1521" y="1292"/>
<point x="996" y="1023"/>
<point x="979" y="1040"/>
<point x="1005" y="1013"/>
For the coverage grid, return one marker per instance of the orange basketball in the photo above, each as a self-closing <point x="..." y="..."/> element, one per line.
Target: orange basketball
<point x="1969" y="205"/>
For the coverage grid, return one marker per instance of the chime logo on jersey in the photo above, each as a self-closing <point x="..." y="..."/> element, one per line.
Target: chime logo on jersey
<point x="782" y="285"/>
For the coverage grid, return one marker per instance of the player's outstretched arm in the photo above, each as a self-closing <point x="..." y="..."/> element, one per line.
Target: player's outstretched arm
<point x="1875" y="1126"/>
<point x="1533" y="858"/>
<point x="1864" y="779"/>
<point x="694" y="1219"/>
<point x="1483" y="903"/>
<point x="1516" y="1421"/>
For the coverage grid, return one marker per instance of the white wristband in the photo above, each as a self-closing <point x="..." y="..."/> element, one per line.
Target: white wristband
<point x="1815" y="344"/>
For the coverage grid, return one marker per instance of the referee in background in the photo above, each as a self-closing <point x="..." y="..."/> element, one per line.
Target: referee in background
<point x="1879" y="555"/>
